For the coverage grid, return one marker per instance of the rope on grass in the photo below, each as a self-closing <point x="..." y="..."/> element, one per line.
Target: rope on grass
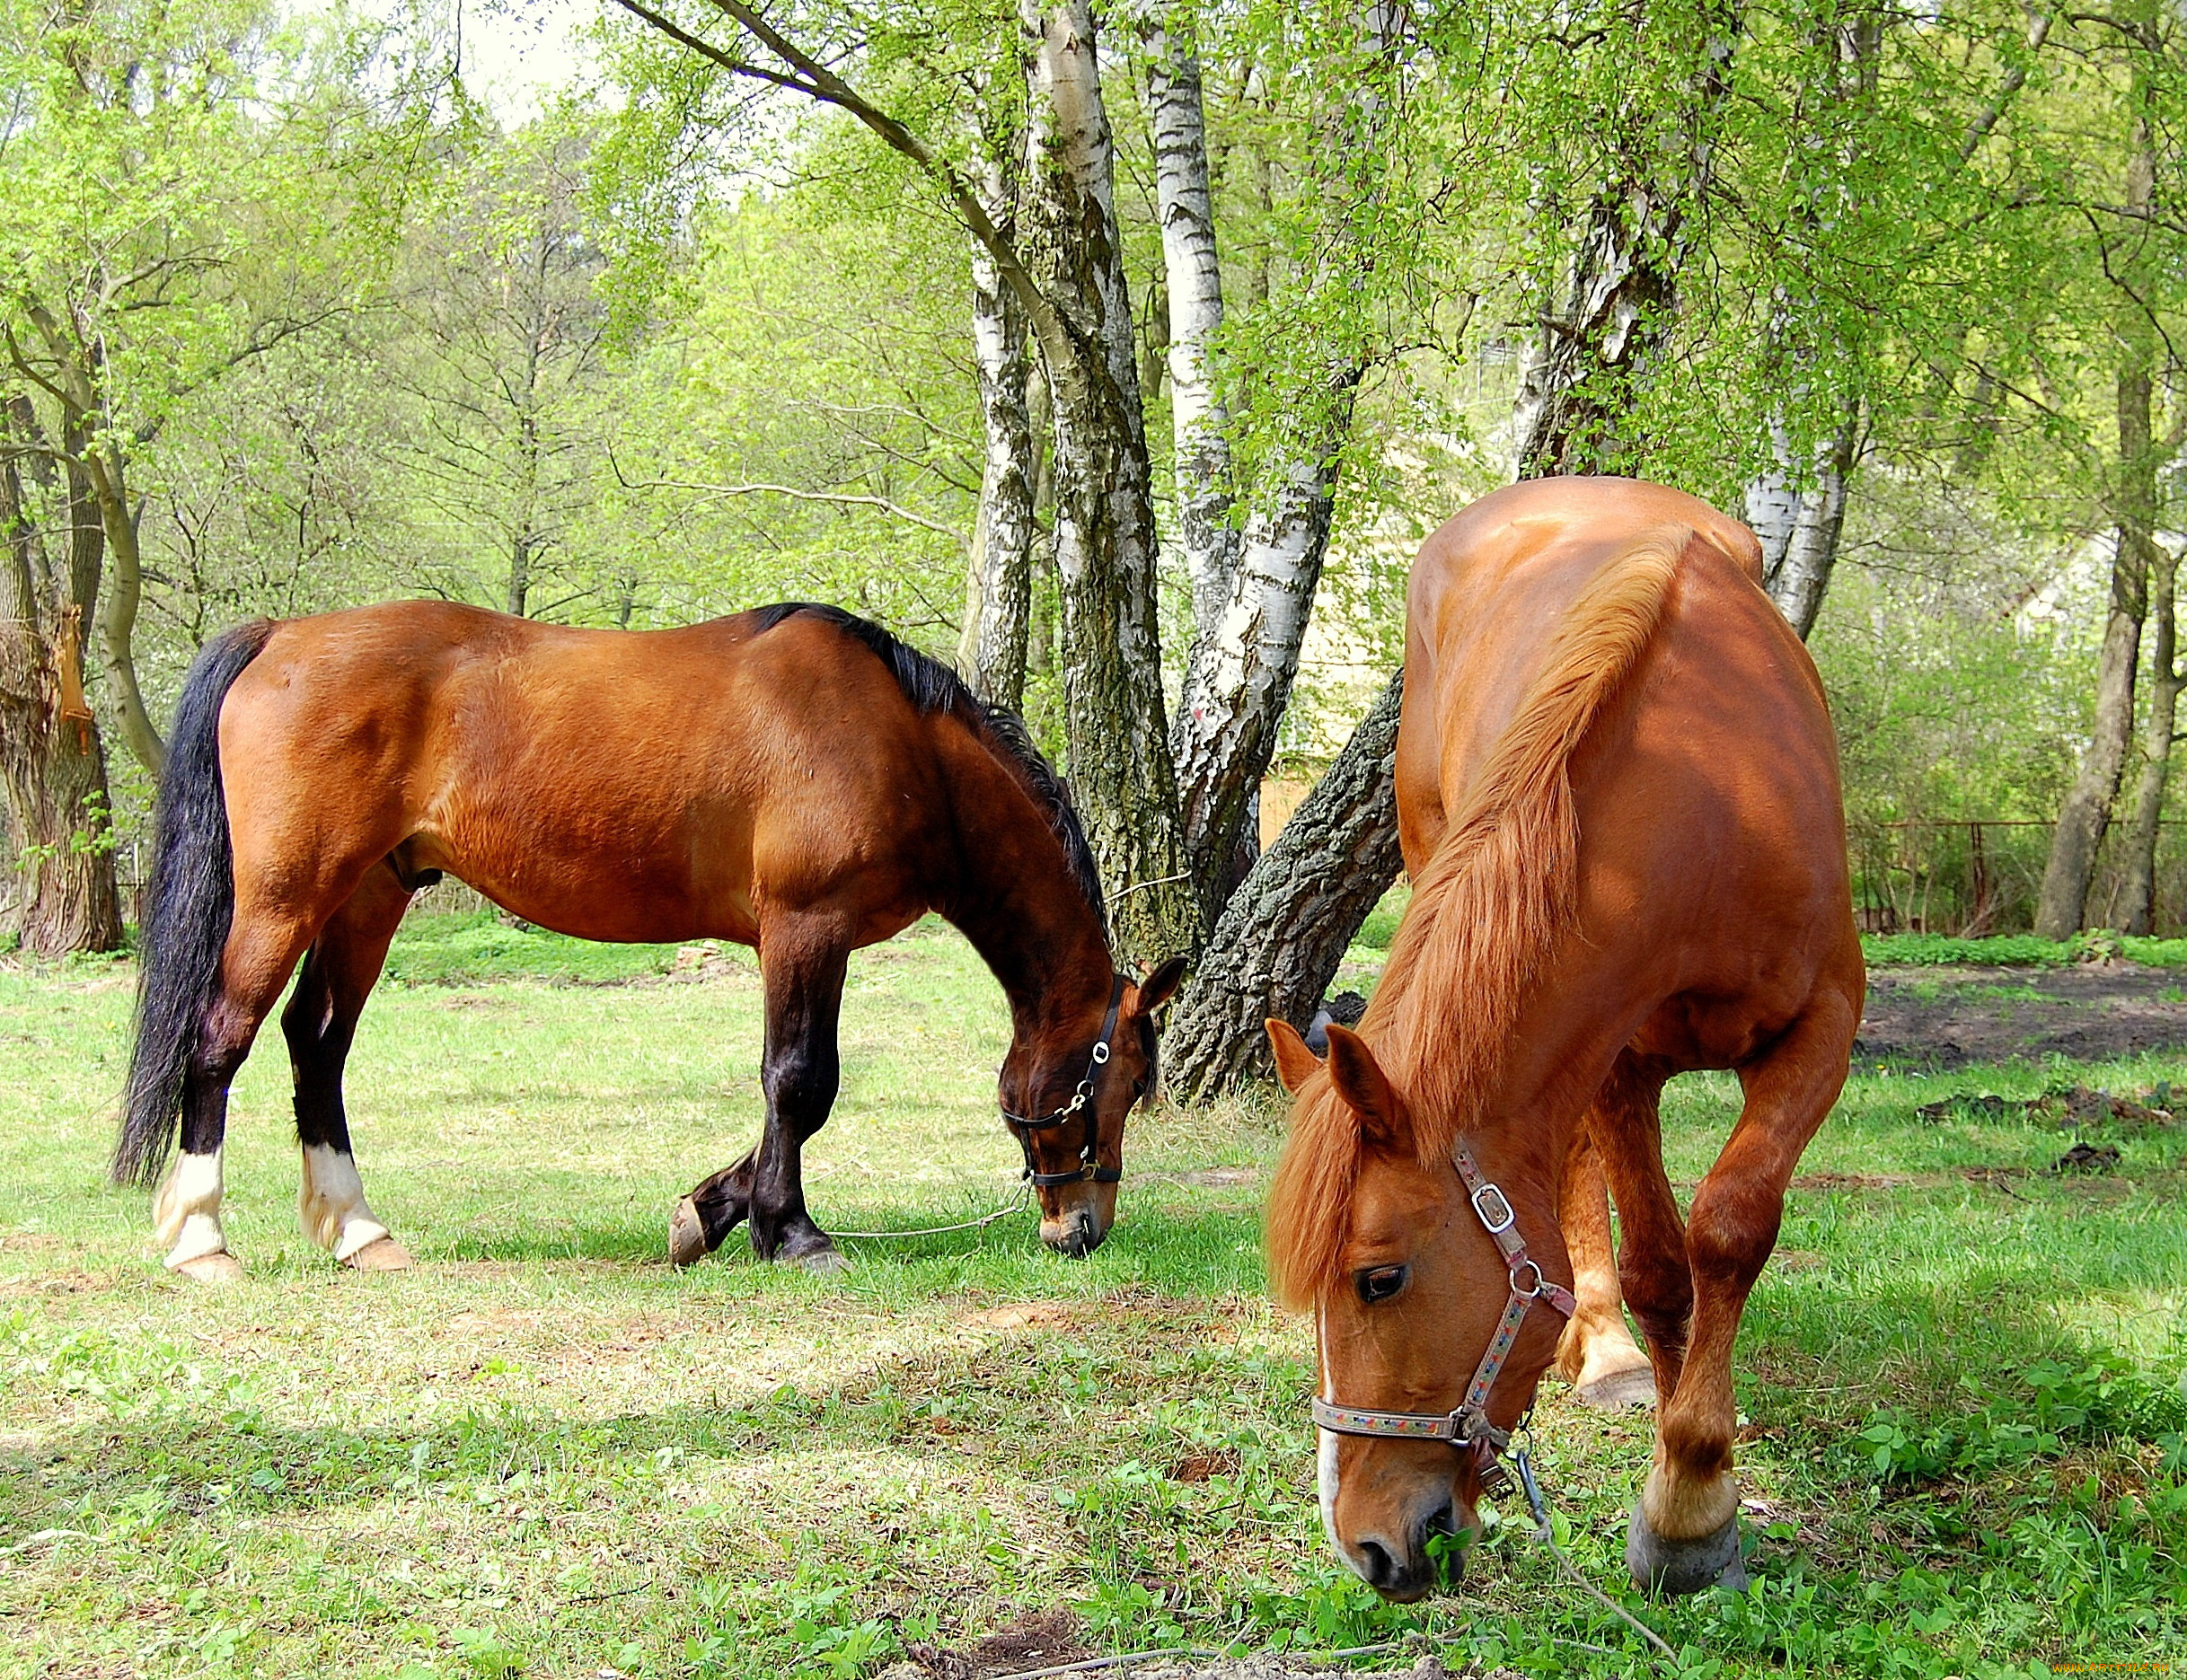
<point x="1016" y="1204"/>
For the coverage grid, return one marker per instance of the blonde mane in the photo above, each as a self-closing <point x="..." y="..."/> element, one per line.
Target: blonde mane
<point x="1486" y="911"/>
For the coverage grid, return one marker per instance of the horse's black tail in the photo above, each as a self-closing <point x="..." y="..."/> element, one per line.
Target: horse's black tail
<point x="189" y="901"/>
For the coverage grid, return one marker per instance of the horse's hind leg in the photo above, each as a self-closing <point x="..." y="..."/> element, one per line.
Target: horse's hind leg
<point x="703" y="1219"/>
<point x="1598" y="1355"/>
<point x="1685" y="1531"/>
<point x="261" y="949"/>
<point x="320" y="1024"/>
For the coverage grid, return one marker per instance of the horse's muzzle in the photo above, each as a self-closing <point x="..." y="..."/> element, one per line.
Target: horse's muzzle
<point x="1410" y="1571"/>
<point x="1075" y="1235"/>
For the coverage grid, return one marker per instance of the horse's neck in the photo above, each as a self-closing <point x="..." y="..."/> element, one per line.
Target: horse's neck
<point x="1018" y="902"/>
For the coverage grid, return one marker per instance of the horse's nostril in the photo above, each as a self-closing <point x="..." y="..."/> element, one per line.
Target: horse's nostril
<point x="1381" y="1568"/>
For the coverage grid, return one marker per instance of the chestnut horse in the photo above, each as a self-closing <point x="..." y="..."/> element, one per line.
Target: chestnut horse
<point x="1618" y="796"/>
<point x="793" y="778"/>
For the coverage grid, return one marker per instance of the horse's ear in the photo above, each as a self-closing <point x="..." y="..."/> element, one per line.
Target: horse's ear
<point x="1359" y="1080"/>
<point x="1159" y="985"/>
<point x="1295" y="1063"/>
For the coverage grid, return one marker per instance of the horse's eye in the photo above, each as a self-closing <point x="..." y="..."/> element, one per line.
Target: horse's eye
<point x="1381" y="1283"/>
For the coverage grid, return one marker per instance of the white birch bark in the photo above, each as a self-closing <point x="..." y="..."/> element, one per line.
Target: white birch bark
<point x="1613" y="314"/>
<point x="1190" y="264"/>
<point x="1800" y="517"/>
<point x="1239" y="680"/>
<point x="1105" y="548"/>
<point x="998" y="594"/>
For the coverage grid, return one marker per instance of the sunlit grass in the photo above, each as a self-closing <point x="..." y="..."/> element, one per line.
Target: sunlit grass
<point x="544" y="1452"/>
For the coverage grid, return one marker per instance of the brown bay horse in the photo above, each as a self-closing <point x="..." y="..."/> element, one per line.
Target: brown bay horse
<point x="1618" y="796"/>
<point x="792" y="779"/>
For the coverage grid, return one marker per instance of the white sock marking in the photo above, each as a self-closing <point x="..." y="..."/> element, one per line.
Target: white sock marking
<point x="330" y="1202"/>
<point x="186" y="1212"/>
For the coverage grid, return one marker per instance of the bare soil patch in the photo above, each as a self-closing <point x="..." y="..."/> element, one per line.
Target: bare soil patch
<point x="1947" y="1019"/>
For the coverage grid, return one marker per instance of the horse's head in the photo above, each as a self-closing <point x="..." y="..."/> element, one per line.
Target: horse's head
<point x="1408" y="1290"/>
<point x="1066" y="1094"/>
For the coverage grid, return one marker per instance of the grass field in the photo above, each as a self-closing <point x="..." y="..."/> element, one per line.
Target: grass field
<point x="543" y="1453"/>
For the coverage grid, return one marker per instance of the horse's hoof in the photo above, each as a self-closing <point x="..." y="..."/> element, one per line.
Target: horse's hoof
<point x="1676" y="1568"/>
<point x="822" y="1262"/>
<point x="1620" y="1390"/>
<point x="220" y="1267"/>
<point x="383" y="1254"/>
<point x="686" y="1235"/>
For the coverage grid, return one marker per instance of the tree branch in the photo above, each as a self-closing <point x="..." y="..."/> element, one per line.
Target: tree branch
<point x="838" y="498"/>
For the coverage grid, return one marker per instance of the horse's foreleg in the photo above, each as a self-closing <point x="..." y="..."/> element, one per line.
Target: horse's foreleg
<point x="1685" y="1531"/>
<point x="320" y="1024"/>
<point x="1598" y="1355"/>
<point x="804" y="976"/>
<point x="255" y="964"/>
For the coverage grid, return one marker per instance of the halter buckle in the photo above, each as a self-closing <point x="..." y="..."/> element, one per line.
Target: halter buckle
<point x="1502" y="1219"/>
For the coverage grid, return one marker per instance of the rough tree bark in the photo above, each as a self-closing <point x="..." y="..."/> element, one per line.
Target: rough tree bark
<point x="991" y="652"/>
<point x="1105" y="548"/>
<point x="2062" y="908"/>
<point x="2138" y="884"/>
<point x="1612" y="317"/>
<point x="1244" y="659"/>
<point x="1283" y="934"/>
<point x="51" y="762"/>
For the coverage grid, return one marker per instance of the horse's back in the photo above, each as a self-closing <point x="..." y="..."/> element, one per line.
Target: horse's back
<point x="1712" y="845"/>
<point x="615" y="783"/>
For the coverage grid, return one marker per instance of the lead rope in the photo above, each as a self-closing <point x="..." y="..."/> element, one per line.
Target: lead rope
<point x="1016" y="1204"/>
<point x="1524" y="1463"/>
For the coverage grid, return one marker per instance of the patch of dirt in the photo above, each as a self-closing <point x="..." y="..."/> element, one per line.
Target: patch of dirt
<point x="1853" y="1180"/>
<point x="1023" y="1315"/>
<point x="1949" y="1018"/>
<point x="1041" y="1639"/>
<point x="1195" y="1467"/>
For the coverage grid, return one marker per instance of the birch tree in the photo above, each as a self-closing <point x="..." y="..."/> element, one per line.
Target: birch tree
<point x="1314" y="340"/>
<point x="1610" y="316"/>
<point x="1065" y="270"/>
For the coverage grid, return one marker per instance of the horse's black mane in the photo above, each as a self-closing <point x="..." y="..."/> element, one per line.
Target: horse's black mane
<point x="931" y="686"/>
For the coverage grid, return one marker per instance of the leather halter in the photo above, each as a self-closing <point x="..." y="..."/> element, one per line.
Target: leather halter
<point x="1467" y="1426"/>
<point x="1081" y="1102"/>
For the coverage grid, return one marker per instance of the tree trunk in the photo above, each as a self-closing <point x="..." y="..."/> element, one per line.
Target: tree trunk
<point x="991" y="652"/>
<point x="1105" y="552"/>
<point x="1607" y="329"/>
<point x="1286" y="928"/>
<point x="1797" y="508"/>
<point x="2063" y="907"/>
<point x="1245" y="660"/>
<point x="2137" y="889"/>
<point x="123" y="576"/>
<point x="1800" y="521"/>
<point x="1189" y="262"/>
<point x="51" y="762"/>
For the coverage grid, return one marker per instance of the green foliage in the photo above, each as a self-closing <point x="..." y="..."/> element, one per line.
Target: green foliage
<point x="1928" y="950"/>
